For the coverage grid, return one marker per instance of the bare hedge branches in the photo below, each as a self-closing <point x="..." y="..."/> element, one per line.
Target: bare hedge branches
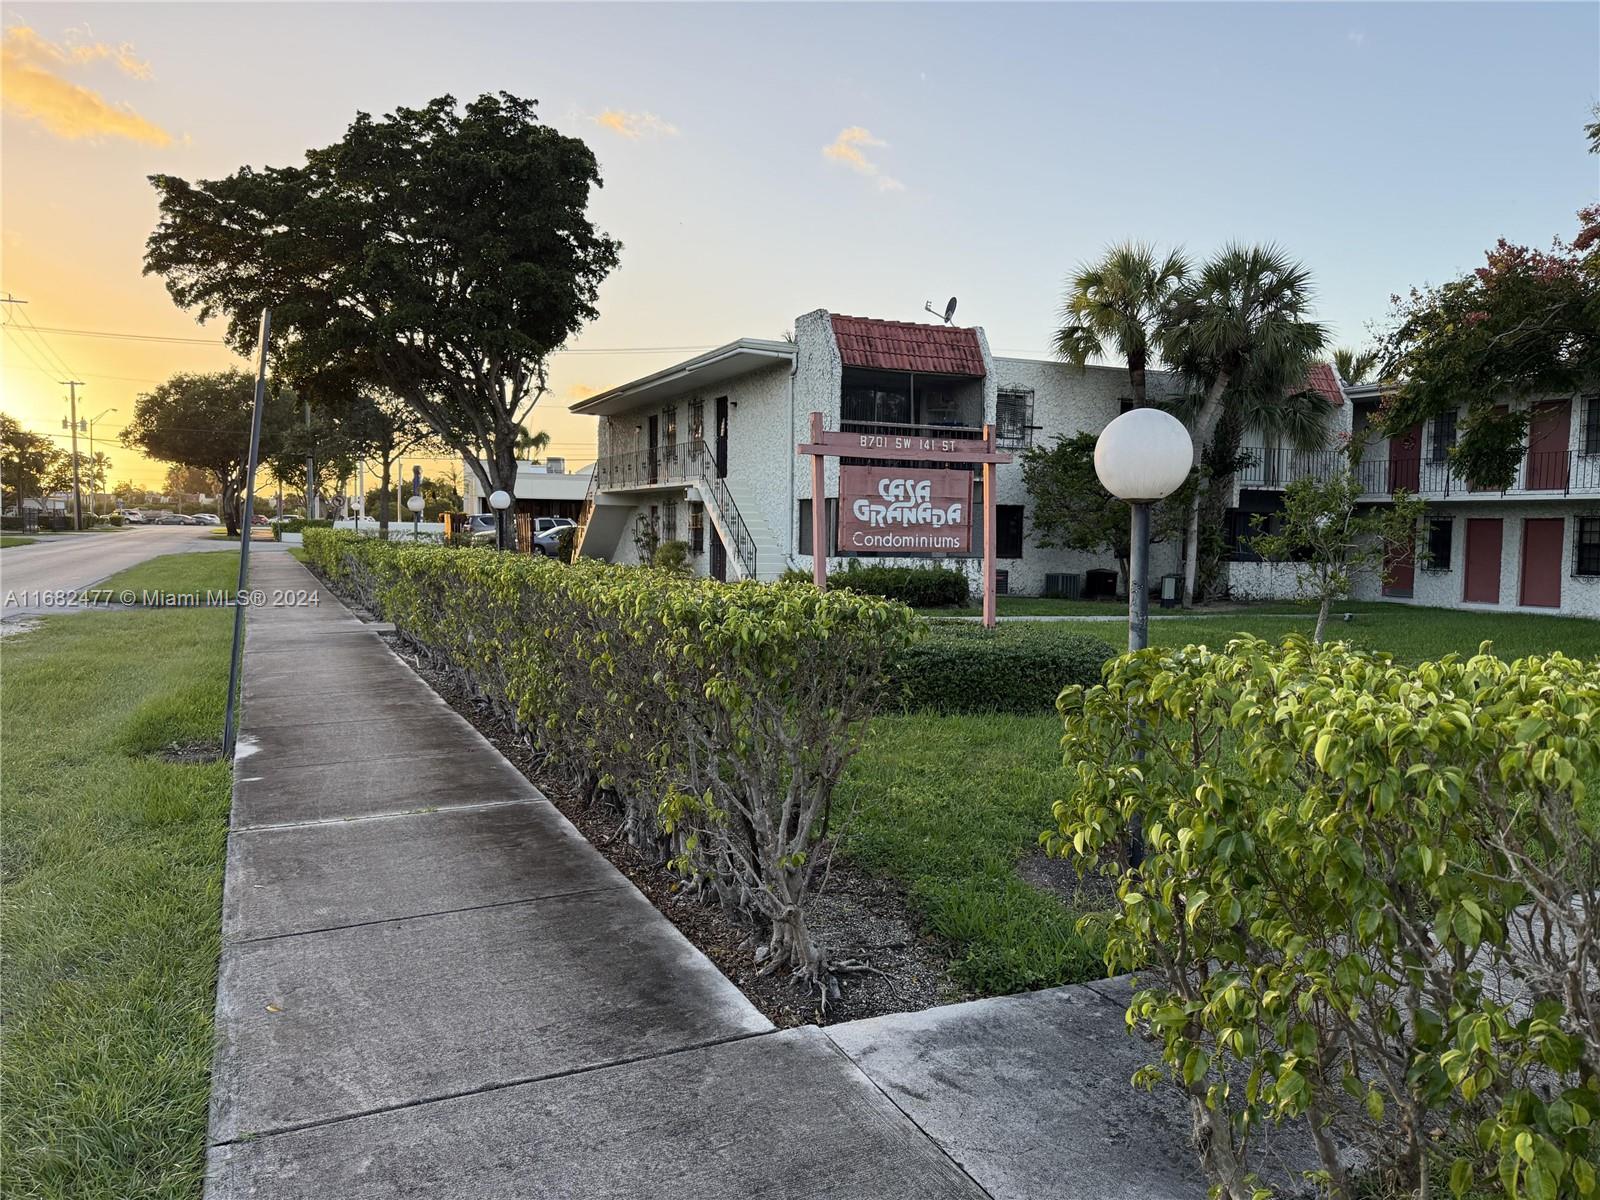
<point x="722" y="716"/>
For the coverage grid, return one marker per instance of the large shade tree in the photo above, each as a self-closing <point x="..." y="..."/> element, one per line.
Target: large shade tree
<point x="28" y="462"/>
<point x="203" y="421"/>
<point x="1116" y="305"/>
<point x="440" y="253"/>
<point x="1240" y="330"/>
<point x="1524" y="325"/>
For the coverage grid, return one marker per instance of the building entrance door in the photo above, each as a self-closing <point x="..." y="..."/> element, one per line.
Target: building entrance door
<point x="1543" y="539"/>
<point x="722" y="437"/>
<point x="719" y="557"/>
<point x="1483" y="561"/>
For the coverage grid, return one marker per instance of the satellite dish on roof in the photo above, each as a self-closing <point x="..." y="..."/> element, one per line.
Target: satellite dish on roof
<point x="949" y="310"/>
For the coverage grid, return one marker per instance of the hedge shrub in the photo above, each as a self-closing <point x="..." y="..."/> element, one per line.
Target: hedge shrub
<point x="961" y="667"/>
<point x="920" y="587"/>
<point x="1369" y="898"/>
<point x="721" y="715"/>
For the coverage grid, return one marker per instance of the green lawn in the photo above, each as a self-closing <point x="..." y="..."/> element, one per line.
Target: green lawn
<point x="113" y="870"/>
<point x="1410" y="634"/>
<point x="192" y="574"/>
<point x="948" y="806"/>
<point x="10" y="540"/>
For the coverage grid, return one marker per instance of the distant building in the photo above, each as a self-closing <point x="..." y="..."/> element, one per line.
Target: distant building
<point x="544" y="489"/>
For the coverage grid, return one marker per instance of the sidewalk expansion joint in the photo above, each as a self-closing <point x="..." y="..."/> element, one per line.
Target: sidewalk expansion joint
<point x="915" y="1124"/>
<point x="422" y="916"/>
<point x="423" y="810"/>
<point x="256" y="1135"/>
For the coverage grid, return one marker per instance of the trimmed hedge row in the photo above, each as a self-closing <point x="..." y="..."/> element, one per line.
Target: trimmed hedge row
<point x="961" y="667"/>
<point x="920" y="587"/>
<point x="721" y="715"/>
<point x="285" y="525"/>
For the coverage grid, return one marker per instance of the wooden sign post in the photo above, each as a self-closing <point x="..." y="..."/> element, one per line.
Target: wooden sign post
<point x="916" y="510"/>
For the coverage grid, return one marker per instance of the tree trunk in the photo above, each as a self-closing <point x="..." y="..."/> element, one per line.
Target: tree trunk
<point x="1322" y="620"/>
<point x="1204" y="425"/>
<point x="230" y="508"/>
<point x="383" y="498"/>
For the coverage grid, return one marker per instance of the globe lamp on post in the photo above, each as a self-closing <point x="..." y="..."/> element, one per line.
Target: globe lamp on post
<point x="1143" y="456"/>
<point x="415" y="504"/>
<point x="500" y="500"/>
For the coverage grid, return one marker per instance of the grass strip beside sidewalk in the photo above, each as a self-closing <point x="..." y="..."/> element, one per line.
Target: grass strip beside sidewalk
<point x="197" y="574"/>
<point x="113" y="870"/>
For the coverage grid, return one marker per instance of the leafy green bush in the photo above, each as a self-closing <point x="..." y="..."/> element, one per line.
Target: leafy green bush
<point x="1017" y="667"/>
<point x="297" y="525"/>
<point x="920" y="587"/>
<point x="722" y="715"/>
<point x="1370" y="898"/>
<point x="115" y="519"/>
<point x="672" y="556"/>
<point x="12" y="523"/>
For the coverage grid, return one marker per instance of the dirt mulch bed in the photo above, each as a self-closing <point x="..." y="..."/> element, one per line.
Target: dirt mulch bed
<point x="862" y="921"/>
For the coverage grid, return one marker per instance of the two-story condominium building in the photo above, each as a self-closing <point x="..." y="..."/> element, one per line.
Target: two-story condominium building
<point x="705" y="452"/>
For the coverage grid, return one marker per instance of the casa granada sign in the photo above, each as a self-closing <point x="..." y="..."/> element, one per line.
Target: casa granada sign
<point x="912" y="511"/>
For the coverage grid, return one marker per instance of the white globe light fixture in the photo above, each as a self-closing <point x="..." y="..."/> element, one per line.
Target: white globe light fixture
<point x="1141" y="457"/>
<point x="415" y="504"/>
<point x="500" y="500"/>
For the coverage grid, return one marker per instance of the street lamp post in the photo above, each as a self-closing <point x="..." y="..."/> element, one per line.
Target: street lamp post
<point x="94" y="495"/>
<point x="415" y="504"/>
<point x="1143" y="456"/>
<point x="500" y="500"/>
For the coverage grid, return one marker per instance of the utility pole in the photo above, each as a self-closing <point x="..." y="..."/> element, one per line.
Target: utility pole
<point x="77" y="490"/>
<point x="94" y="467"/>
<point x="311" y="468"/>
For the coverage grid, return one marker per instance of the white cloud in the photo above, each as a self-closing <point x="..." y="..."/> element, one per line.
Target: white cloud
<point x="635" y="125"/>
<point x="847" y="148"/>
<point x="33" y="87"/>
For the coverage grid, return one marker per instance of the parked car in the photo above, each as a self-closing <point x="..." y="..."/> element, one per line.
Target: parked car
<point x="207" y="519"/>
<point x="174" y="519"/>
<point x="550" y="524"/>
<point x="549" y="542"/>
<point x="132" y="516"/>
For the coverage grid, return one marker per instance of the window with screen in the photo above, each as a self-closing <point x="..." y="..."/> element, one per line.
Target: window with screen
<point x="670" y="525"/>
<point x="1441" y="530"/>
<point x="1444" y="436"/>
<point x="1586" y="547"/>
<point x="830" y="522"/>
<point x="1008" y="530"/>
<point x="697" y="420"/>
<point x="697" y="528"/>
<point x="1013" y="419"/>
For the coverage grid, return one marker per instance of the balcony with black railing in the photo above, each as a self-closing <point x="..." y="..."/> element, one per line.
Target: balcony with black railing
<point x="1541" y="474"/>
<point x="677" y="465"/>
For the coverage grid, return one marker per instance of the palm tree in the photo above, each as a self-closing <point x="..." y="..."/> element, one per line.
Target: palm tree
<point x="1119" y="303"/>
<point x="1354" y="366"/>
<point x="1240" y="328"/>
<point x="531" y="443"/>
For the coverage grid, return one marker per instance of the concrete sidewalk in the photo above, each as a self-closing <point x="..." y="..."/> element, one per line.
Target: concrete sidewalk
<point x="432" y="985"/>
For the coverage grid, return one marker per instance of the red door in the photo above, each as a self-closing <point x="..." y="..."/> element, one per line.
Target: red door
<point x="1548" y="434"/>
<point x="1405" y="461"/>
<point x="1399" y="572"/>
<point x="1543" y="539"/>
<point x="1484" y="536"/>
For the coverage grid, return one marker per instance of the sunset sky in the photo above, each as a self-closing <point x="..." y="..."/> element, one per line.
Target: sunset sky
<point x="764" y="160"/>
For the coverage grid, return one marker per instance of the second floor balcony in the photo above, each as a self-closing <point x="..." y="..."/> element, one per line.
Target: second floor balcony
<point x="1540" y="475"/>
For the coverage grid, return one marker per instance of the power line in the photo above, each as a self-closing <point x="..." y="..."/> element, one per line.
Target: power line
<point x="162" y="337"/>
<point x="50" y="351"/>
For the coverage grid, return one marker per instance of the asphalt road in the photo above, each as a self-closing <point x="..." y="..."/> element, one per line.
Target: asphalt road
<point x="44" y="577"/>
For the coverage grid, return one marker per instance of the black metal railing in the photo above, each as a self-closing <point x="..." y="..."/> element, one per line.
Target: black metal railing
<point x="673" y="464"/>
<point x="1541" y="473"/>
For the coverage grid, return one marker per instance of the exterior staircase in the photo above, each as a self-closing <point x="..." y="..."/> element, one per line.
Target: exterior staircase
<point x="754" y="551"/>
